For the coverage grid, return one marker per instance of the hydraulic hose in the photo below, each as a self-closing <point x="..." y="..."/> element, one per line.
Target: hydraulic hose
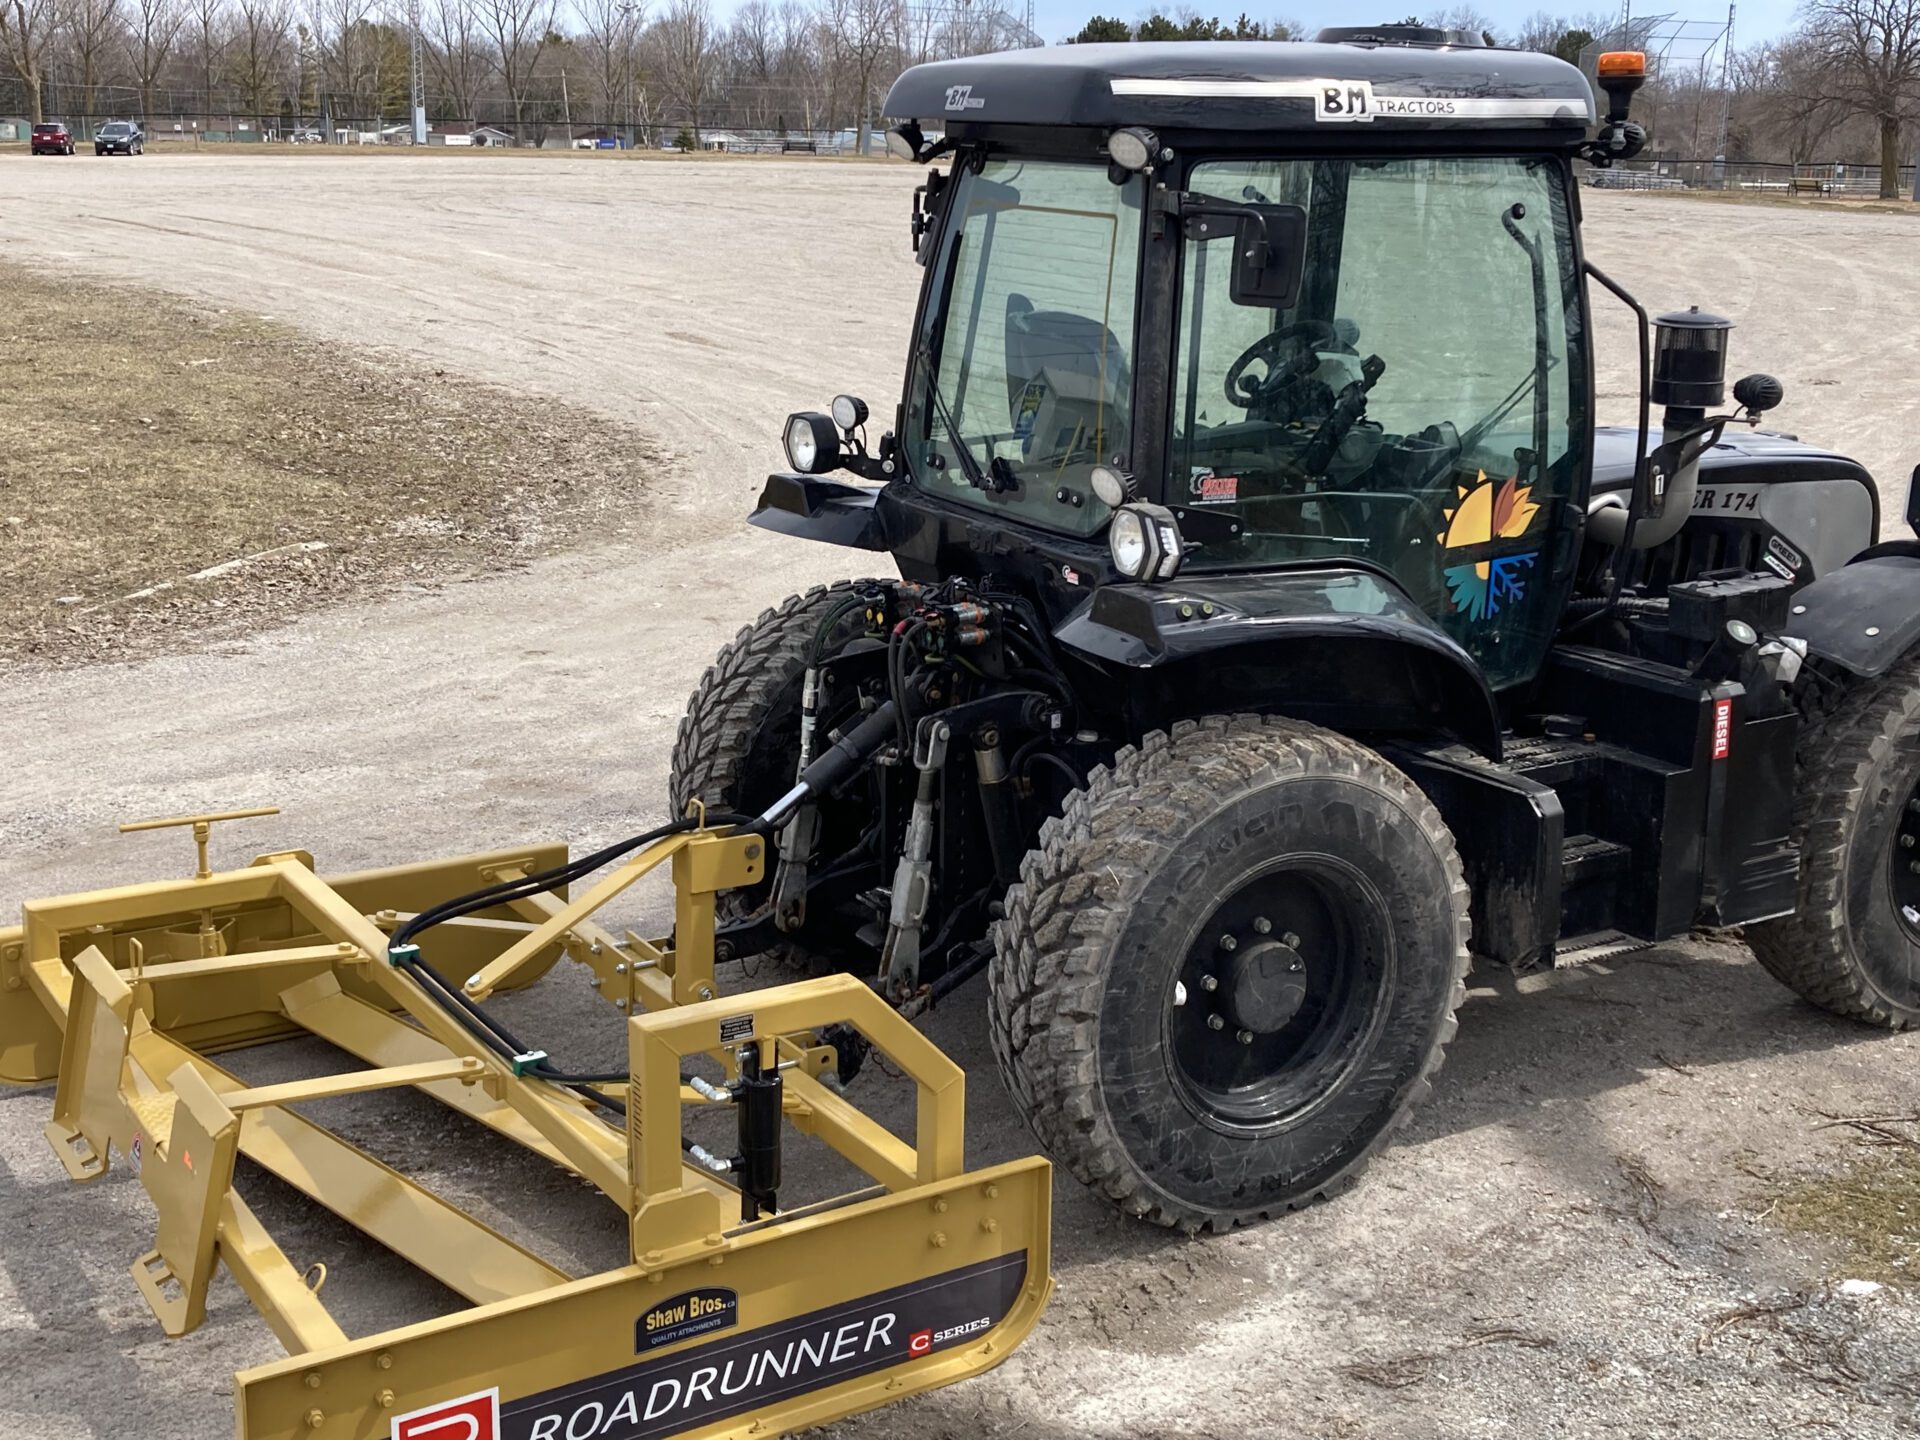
<point x="404" y="953"/>
<point x="836" y="764"/>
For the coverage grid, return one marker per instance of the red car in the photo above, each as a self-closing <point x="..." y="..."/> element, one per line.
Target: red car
<point x="52" y="138"/>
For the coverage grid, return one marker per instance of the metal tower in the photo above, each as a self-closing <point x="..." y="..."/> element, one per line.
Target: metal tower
<point x="416" y="78"/>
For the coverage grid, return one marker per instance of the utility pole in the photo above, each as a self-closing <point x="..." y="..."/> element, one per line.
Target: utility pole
<point x="416" y="80"/>
<point x="566" y="107"/>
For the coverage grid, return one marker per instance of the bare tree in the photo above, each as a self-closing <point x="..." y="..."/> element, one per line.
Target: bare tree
<point x="26" y="26"/>
<point x="754" y="46"/>
<point x="689" y="50"/>
<point x="209" y="27"/>
<point x="1865" y="58"/>
<point x="457" y="56"/>
<point x="258" y="53"/>
<point x="862" y="32"/>
<point x="613" y="34"/>
<point x="1462" y="17"/>
<point x="90" y="27"/>
<point x="519" y="30"/>
<point x="340" y="30"/>
<point x="807" y="81"/>
<point x="153" y="28"/>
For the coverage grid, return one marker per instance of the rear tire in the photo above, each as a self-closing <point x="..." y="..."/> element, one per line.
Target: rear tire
<point x="1339" y="886"/>
<point x="740" y="737"/>
<point x="1849" y="947"/>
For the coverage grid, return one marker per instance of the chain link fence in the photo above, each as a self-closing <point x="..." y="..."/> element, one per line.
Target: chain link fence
<point x="232" y="128"/>
<point x="1836" y="178"/>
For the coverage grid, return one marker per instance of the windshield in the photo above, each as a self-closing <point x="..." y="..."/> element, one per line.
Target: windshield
<point x="1023" y="378"/>
<point x="1418" y="404"/>
<point x="114" y="131"/>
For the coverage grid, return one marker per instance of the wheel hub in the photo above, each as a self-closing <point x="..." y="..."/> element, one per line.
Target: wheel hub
<point x="1276" y="986"/>
<point x="1267" y="988"/>
<point x="1906" y="865"/>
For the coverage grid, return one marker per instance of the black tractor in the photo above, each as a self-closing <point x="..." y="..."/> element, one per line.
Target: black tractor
<point x="1275" y="632"/>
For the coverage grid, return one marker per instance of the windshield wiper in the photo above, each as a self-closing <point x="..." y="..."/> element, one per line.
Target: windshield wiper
<point x="969" y="466"/>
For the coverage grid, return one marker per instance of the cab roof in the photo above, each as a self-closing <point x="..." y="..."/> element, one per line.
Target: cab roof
<point x="1250" y="85"/>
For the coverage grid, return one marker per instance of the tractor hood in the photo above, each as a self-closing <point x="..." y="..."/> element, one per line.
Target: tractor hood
<point x="1760" y="455"/>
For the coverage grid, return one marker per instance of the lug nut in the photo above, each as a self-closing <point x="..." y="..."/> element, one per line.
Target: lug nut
<point x="1245" y="1037"/>
<point x="1262" y="925"/>
<point x="1214" y="1022"/>
<point x="1906" y="842"/>
<point x="1229" y="944"/>
<point x="1290" y="940"/>
<point x="1208" y="983"/>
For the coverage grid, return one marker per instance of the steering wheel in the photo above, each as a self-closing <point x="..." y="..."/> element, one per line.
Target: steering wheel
<point x="1286" y="352"/>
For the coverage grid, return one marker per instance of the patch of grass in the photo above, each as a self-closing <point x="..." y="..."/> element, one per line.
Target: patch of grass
<point x="144" y="441"/>
<point x="1873" y="1209"/>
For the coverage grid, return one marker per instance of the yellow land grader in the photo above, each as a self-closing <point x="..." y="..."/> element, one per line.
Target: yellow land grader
<point x="736" y="1314"/>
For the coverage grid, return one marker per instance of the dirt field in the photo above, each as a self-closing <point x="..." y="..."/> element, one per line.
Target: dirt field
<point x="1612" y="1219"/>
<point x="332" y="476"/>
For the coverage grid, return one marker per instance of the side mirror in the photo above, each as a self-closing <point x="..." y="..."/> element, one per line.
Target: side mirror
<point x="1269" y="249"/>
<point x="1269" y="256"/>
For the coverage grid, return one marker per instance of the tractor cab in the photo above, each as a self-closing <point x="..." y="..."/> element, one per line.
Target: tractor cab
<point x="1319" y="302"/>
<point x="1369" y="358"/>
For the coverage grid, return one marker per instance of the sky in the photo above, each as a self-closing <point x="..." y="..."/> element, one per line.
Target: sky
<point x="1756" y="20"/>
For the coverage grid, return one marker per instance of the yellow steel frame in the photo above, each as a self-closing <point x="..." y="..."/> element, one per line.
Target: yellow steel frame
<point x="122" y="994"/>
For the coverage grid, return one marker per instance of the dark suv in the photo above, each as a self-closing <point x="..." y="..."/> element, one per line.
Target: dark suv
<point x="52" y="138"/>
<point x="121" y="137"/>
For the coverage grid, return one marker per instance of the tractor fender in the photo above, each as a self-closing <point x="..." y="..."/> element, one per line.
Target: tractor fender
<point x="815" y="509"/>
<point x="1864" y="616"/>
<point x="1342" y="647"/>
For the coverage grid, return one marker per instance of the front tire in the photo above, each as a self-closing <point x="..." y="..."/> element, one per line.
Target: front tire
<point x="1229" y="969"/>
<point x="740" y="737"/>
<point x="1853" y="944"/>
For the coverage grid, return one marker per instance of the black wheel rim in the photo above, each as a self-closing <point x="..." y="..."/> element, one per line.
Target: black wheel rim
<point x="1278" y="993"/>
<point x="1906" y="865"/>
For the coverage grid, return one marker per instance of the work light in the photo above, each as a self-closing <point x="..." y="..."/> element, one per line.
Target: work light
<point x="1110" y="487"/>
<point x="1145" y="542"/>
<point x="813" y="444"/>
<point x="1133" y="148"/>
<point x="849" y="412"/>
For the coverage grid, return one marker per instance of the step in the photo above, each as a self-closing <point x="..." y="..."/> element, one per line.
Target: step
<point x="1594" y="945"/>
<point x="1588" y="857"/>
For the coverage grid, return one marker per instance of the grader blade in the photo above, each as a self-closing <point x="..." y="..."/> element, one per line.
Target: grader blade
<point x="736" y="1314"/>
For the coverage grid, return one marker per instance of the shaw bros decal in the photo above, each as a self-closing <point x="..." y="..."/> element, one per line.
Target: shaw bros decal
<point x="711" y="1381"/>
<point x="697" y="1312"/>
<point x="1488" y="511"/>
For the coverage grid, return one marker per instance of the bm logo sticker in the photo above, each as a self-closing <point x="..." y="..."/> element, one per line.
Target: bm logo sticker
<point x="961" y="97"/>
<point x="471" y="1417"/>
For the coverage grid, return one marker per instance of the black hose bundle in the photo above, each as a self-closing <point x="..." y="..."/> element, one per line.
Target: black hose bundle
<point x="403" y="953"/>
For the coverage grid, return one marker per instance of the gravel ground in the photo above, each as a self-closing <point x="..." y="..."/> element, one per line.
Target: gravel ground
<point x="1572" y="1239"/>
